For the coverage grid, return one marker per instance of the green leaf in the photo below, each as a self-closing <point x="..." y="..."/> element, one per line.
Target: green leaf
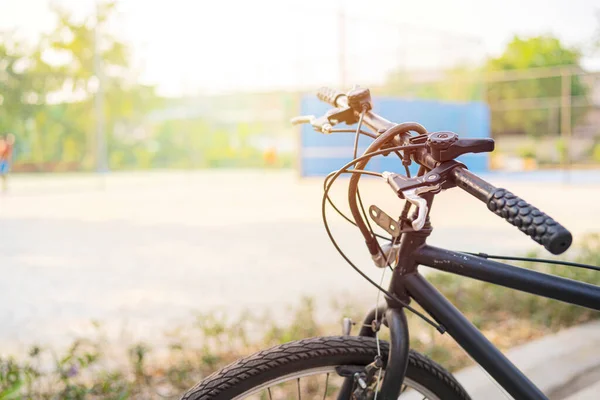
<point x="12" y="392"/>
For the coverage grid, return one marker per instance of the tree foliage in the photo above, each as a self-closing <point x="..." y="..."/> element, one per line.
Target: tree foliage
<point x="47" y="92"/>
<point x="532" y="105"/>
<point x="454" y="84"/>
<point x="47" y="99"/>
<point x="523" y="105"/>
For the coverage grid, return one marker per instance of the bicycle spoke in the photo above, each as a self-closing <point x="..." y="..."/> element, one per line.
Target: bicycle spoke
<point x="326" y="385"/>
<point x="299" y="395"/>
<point x="269" y="390"/>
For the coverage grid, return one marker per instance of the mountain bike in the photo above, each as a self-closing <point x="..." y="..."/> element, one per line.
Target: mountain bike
<point x="363" y="366"/>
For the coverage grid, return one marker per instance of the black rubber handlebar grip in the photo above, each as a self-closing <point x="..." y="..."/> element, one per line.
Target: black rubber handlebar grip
<point x="530" y="220"/>
<point x="329" y="95"/>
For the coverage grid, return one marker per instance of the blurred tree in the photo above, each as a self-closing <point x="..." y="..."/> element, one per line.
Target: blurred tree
<point x="531" y="106"/>
<point x="126" y="101"/>
<point x="26" y="82"/>
<point x="13" y="78"/>
<point x="47" y="93"/>
<point x="47" y="99"/>
<point x="19" y="98"/>
<point x="524" y="106"/>
<point x="595" y="43"/>
<point x="455" y="84"/>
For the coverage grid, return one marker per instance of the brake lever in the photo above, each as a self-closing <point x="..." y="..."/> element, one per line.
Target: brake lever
<point x="412" y="196"/>
<point x="407" y="189"/>
<point x="321" y="125"/>
<point x="303" y="119"/>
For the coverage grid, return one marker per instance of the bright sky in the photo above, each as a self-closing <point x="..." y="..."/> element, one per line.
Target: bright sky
<point x="194" y="46"/>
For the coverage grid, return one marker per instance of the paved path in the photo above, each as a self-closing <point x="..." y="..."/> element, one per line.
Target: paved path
<point x="145" y="250"/>
<point x="591" y="392"/>
<point x="560" y="365"/>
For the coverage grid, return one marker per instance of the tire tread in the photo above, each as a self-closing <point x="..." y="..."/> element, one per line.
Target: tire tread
<point x="319" y="347"/>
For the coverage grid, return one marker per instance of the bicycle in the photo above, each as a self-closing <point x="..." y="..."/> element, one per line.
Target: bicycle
<point x="365" y="366"/>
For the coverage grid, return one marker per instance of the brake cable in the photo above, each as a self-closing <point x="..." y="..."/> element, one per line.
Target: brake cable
<point x="354" y="154"/>
<point x="373" y="150"/>
<point x="333" y="172"/>
<point x="358" y="196"/>
<point x="345" y="170"/>
<point x="340" y="212"/>
<point x="540" y="260"/>
<point x="362" y="132"/>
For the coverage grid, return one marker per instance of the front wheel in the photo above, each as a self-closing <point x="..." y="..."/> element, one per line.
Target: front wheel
<point x="306" y="369"/>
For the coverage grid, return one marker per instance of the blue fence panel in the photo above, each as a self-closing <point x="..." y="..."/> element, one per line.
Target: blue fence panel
<point x="320" y="154"/>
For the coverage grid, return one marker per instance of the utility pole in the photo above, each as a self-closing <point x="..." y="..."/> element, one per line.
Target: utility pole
<point x="565" y="120"/>
<point x="101" y="156"/>
<point x="342" y="49"/>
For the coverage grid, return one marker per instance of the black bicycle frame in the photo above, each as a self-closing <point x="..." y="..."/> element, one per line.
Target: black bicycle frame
<point x="407" y="283"/>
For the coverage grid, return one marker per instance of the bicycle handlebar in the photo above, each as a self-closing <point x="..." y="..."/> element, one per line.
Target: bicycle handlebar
<point x="338" y="99"/>
<point x="529" y="219"/>
<point x="330" y="96"/>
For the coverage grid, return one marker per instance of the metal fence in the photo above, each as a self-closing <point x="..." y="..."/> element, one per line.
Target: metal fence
<point x="543" y="117"/>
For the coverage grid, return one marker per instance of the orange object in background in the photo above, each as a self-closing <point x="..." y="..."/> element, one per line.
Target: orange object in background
<point x="270" y="156"/>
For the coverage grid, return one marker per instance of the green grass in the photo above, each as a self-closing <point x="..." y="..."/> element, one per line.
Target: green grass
<point x="88" y="370"/>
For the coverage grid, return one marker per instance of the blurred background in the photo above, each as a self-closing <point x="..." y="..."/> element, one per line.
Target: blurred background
<point x="128" y="85"/>
<point x="156" y="179"/>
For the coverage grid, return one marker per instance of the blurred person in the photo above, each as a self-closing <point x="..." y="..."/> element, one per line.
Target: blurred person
<point x="3" y="164"/>
<point x="6" y="153"/>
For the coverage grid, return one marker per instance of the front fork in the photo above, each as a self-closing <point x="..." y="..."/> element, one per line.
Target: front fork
<point x="397" y="360"/>
<point x="395" y="317"/>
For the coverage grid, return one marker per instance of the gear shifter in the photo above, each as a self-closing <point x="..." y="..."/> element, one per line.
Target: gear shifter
<point x="446" y="146"/>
